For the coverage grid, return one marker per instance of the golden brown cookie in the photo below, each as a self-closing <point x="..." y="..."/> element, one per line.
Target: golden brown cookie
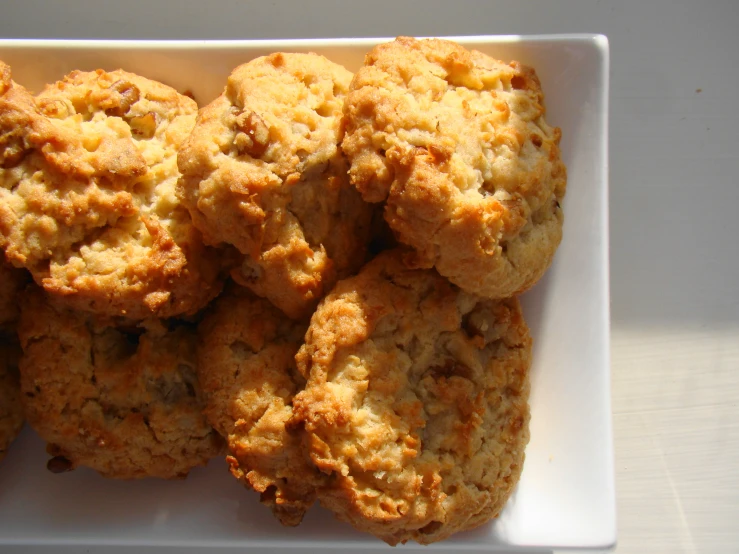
<point x="416" y="405"/>
<point x="263" y="171"/>
<point x="246" y="364"/>
<point x="123" y="400"/>
<point x="11" y="409"/>
<point x="88" y="170"/>
<point x="456" y="145"/>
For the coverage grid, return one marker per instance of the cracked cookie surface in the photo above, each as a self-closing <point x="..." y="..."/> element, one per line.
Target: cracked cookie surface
<point x="246" y="363"/>
<point x="416" y="405"/>
<point x="455" y="144"/>
<point x="263" y="171"/>
<point x="123" y="400"/>
<point x="88" y="170"/>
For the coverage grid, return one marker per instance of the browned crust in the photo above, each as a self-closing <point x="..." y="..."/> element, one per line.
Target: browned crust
<point x="416" y="405"/>
<point x="263" y="171"/>
<point x="247" y="370"/>
<point x="87" y="176"/>
<point x="456" y="146"/>
<point x="123" y="400"/>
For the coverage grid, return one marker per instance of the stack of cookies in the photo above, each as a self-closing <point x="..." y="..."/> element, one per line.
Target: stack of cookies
<point x="315" y="275"/>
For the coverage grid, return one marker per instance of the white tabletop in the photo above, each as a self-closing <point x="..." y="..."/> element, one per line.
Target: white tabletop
<point x="674" y="229"/>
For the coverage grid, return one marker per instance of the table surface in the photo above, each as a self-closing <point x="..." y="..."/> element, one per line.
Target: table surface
<point x="674" y="194"/>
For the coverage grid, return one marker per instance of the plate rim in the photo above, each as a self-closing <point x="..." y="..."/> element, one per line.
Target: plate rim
<point x="600" y="40"/>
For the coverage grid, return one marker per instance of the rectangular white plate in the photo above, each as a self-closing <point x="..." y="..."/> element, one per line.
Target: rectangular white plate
<point x="566" y="495"/>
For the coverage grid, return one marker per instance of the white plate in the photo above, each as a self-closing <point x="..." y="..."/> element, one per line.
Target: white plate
<point x="566" y="494"/>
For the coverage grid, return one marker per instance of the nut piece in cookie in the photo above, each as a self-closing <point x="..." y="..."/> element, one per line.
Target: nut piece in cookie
<point x="88" y="170"/>
<point x="123" y="400"/>
<point x="455" y="144"/>
<point x="416" y="405"/>
<point x="263" y="171"/>
<point x="246" y="364"/>
<point x="11" y="409"/>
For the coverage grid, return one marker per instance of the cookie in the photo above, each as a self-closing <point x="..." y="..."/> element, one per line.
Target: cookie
<point x="263" y="171"/>
<point x="246" y="364"/>
<point x="455" y="144"/>
<point x="416" y="405"/>
<point x="88" y="170"/>
<point x="11" y="409"/>
<point x="12" y="282"/>
<point x="123" y="400"/>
